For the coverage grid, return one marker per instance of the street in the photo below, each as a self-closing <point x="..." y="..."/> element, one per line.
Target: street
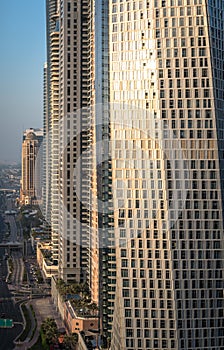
<point x="8" y="309"/>
<point x="17" y="291"/>
<point x="18" y="269"/>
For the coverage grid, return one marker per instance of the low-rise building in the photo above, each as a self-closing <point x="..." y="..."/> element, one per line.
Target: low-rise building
<point x="38" y="238"/>
<point x="44" y="260"/>
<point x="77" y="319"/>
<point x="79" y="316"/>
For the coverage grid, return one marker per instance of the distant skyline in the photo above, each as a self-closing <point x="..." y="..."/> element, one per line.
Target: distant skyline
<point x="22" y="36"/>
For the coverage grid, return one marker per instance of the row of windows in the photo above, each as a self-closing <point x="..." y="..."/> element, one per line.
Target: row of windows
<point x="135" y="16"/>
<point x="154" y="273"/>
<point x="173" y="22"/>
<point x="186" y="103"/>
<point x="187" y="93"/>
<point x="190" y="114"/>
<point x="200" y="297"/>
<point x="187" y="83"/>
<point x="163" y="244"/>
<point x="208" y="238"/>
<point x="130" y="333"/>
<point x="177" y="37"/>
<point x="138" y="4"/>
<point x="194" y="240"/>
<point x="176" y="62"/>
<point x="177" y="3"/>
<point x="149" y="344"/>
<point x="183" y="20"/>
<point x="178" y="284"/>
<point x="183" y="254"/>
<point x="176" y="73"/>
<point x="190" y="344"/>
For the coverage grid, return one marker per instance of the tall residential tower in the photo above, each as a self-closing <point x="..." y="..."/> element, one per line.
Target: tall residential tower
<point x="166" y="76"/>
<point x="139" y="187"/>
<point x="31" y="182"/>
<point x="69" y="86"/>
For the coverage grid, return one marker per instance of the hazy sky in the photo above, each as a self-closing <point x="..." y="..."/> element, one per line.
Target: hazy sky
<point x="22" y="55"/>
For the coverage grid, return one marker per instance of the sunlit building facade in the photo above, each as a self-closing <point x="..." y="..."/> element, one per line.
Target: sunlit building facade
<point x="69" y="55"/>
<point x="31" y="182"/>
<point x="50" y="124"/>
<point x="54" y="134"/>
<point x="166" y="90"/>
<point x="45" y="148"/>
<point x="140" y="159"/>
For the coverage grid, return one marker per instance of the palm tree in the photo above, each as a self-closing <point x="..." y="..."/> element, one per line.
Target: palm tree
<point x="75" y="288"/>
<point x="48" y="323"/>
<point x="60" y="284"/>
<point x="49" y="329"/>
<point x="84" y="291"/>
<point x="70" y="341"/>
<point x="94" y="308"/>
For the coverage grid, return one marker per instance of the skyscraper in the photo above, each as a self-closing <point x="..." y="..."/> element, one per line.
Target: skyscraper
<point x="31" y="182"/>
<point x="50" y="125"/>
<point x="167" y="173"/>
<point x="54" y="132"/>
<point x="45" y="144"/>
<point x="141" y="144"/>
<point x="69" y="99"/>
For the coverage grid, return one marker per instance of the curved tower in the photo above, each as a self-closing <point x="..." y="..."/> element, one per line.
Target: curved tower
<point x="166" y="78"/>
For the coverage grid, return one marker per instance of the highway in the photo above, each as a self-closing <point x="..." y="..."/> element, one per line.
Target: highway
<point x="18" y="269"/>
<point x="8" y="309"/>
<point x="15" y="290"/>
<point x="13" y="228"/>
<point x="15" y="235"/>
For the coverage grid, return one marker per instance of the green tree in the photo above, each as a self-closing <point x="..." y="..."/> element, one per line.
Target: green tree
<point x="70" y="341"/>
<point x="49" y="330"/>
<point x="93" y="308"/>
<point x="85" y="291"/>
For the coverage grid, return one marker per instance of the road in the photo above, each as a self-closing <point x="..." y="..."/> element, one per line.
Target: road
<point x="12" y="222"/>
<point x="13" y="228"/>
<point x="18" y="268"/>
<point x="8" y="309"/>
<point x="15" y="235"/>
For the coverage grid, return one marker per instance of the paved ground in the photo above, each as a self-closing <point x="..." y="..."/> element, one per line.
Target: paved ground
<point x="43" y="308"/>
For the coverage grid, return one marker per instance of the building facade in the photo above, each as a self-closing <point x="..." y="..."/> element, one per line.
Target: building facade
<point x="31" y="182"/>
<point x="165" y="67"/>
<point x="69" y="86"/>
<point x="45" y="145"/>
<point x="51" y="122"/>
<point x="54" y="132"/>
<point x="140" y="159"/>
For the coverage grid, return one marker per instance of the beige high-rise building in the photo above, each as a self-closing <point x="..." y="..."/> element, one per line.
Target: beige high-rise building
<point x="54" y="133"/>
<point x="31" y="186"/>
<point x="140" y="159"/>
<point x="69" y="86"/>
<point x="166" y="90"/>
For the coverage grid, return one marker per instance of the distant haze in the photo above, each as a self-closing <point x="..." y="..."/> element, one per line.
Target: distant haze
<point x="22" y="36"/>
